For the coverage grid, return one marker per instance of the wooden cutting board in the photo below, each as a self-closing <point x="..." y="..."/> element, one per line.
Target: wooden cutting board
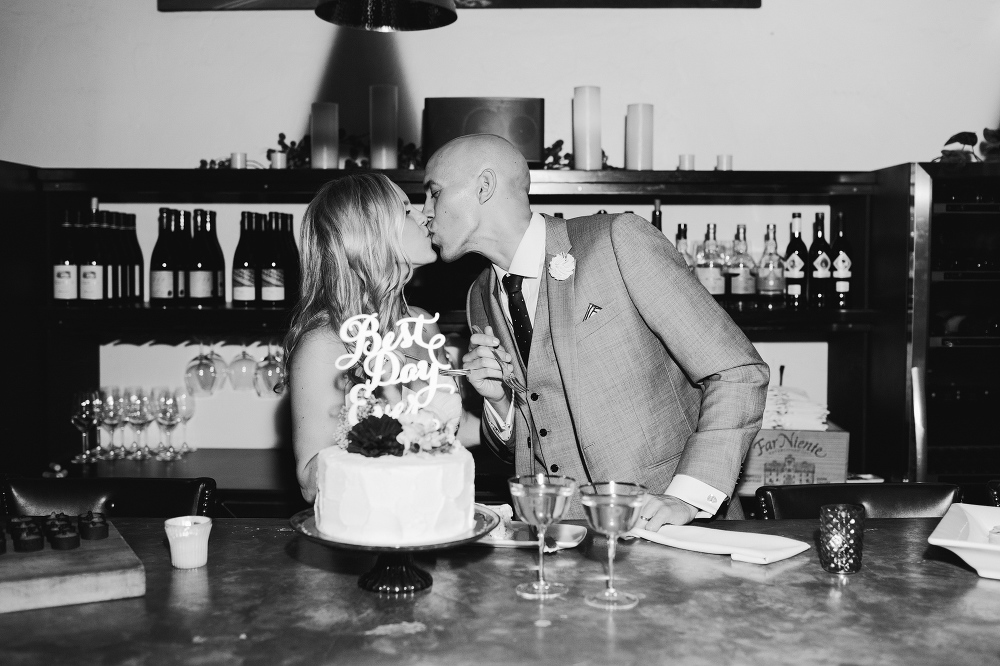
<point x="96" y="571"/>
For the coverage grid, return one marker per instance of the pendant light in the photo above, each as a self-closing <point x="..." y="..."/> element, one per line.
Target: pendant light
<point x="388" y="15"/>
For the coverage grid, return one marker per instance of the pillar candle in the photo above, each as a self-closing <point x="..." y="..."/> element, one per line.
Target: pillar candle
<point x="383" y="115"/>
<point x="587" y="128"/>
<point x="324" y="135"/>
<point x="639" y="137"/>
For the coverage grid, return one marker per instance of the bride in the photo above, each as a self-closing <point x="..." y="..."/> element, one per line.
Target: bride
<point x="361" y="238"/>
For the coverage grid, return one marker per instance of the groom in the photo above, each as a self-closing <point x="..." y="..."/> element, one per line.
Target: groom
<point x="633" y="372"/>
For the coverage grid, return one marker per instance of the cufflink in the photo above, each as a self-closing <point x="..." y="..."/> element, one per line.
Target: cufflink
<point x="713" y="499"/>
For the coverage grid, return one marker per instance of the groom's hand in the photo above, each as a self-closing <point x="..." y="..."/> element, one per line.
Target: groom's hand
<point x="485" y="374"/>
<point x="660" y="510"/>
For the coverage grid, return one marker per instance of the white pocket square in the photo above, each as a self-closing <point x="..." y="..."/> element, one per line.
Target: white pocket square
<point x="592" y="309"/>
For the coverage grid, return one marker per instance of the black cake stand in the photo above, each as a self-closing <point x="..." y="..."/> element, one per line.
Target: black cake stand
<point x="394" y="571"/>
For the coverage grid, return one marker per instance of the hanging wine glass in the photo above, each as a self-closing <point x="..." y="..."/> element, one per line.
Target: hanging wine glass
<point x="220" y="365"/>
<point x="86" y="416"/>
<point x="139" y="414"/>
<point x="112" y="414"/>
<point x="167" y="416"/>
<point x="270" y="374"/>
<point x="185" y="408"/>
<point x="201" y="375"/>
<point x="241" y="371"/>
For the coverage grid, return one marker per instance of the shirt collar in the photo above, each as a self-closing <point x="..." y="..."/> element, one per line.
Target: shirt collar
<point x="530" y="253"/>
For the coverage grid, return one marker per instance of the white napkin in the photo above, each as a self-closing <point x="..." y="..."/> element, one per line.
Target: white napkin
<point x="742" y="546"/>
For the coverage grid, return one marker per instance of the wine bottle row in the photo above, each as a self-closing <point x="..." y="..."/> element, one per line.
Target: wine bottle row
<point x="816" y="278"/>
<point x="97" y="260"/>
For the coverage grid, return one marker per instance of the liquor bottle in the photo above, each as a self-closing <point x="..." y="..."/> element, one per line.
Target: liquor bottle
<point x="841" y="253"/>
<point x="681" y="241"/>
<point x="771" y="274"/>
<point x="273" y="264"/>
<point x="201" y="274"/>
<point x="709" y="266"/>
<point x="796" y="278"/>
<point x="741" y="275"/>
<point x="182" y="254"/>
<point x="138" y="263"/>
<point x="245" y="264"/>
<point x="92" y="287"/>
<point x="657" y="215"/>
<point x="65" y="270"/>
<point x="218" y="259"/>
<point x="294" y="275"/>
<point x="820" y="264"/>
<point x="162" y="289"/>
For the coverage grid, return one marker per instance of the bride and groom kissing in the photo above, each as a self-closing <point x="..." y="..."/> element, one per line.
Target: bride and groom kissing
<point x="632" y="371"/>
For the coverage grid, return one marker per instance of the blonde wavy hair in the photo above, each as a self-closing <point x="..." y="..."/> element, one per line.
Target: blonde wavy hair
<point x="352" y="257"/>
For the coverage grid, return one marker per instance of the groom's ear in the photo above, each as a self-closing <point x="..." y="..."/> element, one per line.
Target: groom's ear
<point x="486" y="185"/>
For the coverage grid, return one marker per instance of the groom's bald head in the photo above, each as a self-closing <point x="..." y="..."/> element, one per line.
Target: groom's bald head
<point x="477" y="196"/>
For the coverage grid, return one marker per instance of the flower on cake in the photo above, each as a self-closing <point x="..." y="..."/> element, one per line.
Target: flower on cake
<point x="562" y="266"/>
<point x="369" y="429"/>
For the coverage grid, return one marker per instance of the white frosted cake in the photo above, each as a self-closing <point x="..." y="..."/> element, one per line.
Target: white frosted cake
<point x="393" y="500"/>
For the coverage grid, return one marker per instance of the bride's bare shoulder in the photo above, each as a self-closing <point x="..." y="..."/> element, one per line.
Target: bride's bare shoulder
<point x="320" y="345"/>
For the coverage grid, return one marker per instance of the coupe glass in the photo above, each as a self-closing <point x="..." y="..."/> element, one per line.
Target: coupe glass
<point x="201" y="376"/>
<point x="612" y="508"/>
<point x="86" y="416"/>
<point x="112" y="416"/>
<point x="185" y="407"/>
<point x="139" y="414"/>
<point x="241" y="371"/>
<point x="270" y="374"/>
<point x="540" y="500"/>
<point x="168" y="415"/>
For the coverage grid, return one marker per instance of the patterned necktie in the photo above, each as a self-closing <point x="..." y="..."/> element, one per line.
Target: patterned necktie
<point x="518" y="314"/>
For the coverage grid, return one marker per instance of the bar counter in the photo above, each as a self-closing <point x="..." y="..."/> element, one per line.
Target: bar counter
<point x="271" y="596"/>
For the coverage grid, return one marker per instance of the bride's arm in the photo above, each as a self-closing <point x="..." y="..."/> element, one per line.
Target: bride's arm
<point x="317" y="397"/>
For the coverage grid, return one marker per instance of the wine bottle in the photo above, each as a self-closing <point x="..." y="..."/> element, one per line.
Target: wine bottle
<point x="796" y="278"/>
<point x="125" y="265"/>
<point x="681" y="241"/>
<point x="741" y="275"/>
<point x="820" y="264"/>
<point x="294" y="275"/>
<point x="273" y="266"/>
<point x="92" y="286"/>
<point x="245" y="264"/>
<point x="65" y="270"/>
<point x="201" y="276"/>
<point x="182" y="255"/>
<point x="260" y="240"/>
<point x="218" y="261"/>
<point x="161" y="263"/>
<point x="771" y="274"/>
<point x="657" y="215"/>
<point x="112" y="260"/>
<point x="709" y="266"/>
<point x="138" y="263"/>
<point x="842" y="254"/>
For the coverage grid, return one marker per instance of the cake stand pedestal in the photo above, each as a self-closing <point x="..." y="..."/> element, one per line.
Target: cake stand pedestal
<point x="394" y="571"/>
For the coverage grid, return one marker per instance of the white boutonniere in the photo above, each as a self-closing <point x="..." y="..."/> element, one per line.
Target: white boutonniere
<point x="562" y="266"/>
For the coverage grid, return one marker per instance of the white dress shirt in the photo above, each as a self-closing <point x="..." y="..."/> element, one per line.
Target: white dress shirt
<point x="529" y="263"/>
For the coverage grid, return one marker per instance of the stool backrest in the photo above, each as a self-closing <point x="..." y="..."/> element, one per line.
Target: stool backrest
<point x="114" y="496"/>
<point x="881" y="500"/>
<point x="993" y="490"/>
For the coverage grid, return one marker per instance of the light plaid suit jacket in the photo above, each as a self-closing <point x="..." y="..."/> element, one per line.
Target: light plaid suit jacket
<point x="660" y="381"/>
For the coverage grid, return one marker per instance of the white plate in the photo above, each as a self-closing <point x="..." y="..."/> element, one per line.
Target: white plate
<point x="566" y="536"/>
<point x="964" y="531"/>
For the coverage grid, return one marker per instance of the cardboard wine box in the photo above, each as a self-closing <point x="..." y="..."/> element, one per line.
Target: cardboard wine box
<point x="793" y="457"/>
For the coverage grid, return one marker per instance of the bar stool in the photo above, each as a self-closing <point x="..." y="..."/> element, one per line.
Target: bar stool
<point x="993" y="490"/>
<point x="881" y="500"/>
<point x="113" y="496"/>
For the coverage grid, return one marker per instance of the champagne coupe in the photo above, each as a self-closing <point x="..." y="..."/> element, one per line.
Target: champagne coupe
<point x="185" y="408"/>
<point x="112" y="416"/>
<point x="241" y="371"/>
<point x="139" y="414"/>
<point x="201" y="375"/>
<point x="540" y="500"/>
<point x="167" y="416"/>
<point x="86" y="416"/>
<point x="270" y="374"/>
<point x="612" y="508"/>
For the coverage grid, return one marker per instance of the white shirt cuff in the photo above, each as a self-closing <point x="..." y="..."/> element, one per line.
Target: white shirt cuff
<point x="702" y="496"/>
<point x="501" y="427"/>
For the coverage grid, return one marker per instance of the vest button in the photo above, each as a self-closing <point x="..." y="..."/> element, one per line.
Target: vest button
<point x="534" y="396"/>
<point x="554" y="468"/>
<point x="543" y="432"/>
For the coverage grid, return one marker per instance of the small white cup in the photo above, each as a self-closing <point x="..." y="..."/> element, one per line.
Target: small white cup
<point x="279" y="160"/>
<point x="238" y="161"/>
<point x="686" y="162"/>
<point x="723" y="162"/>
<point x="188" y="537"/>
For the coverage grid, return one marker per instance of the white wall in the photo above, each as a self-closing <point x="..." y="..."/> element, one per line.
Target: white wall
<point x="795" y="85"/>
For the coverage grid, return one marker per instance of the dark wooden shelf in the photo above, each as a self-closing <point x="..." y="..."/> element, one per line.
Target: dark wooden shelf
<point x="230" y="5"/>
<point x="965" y="276"/>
